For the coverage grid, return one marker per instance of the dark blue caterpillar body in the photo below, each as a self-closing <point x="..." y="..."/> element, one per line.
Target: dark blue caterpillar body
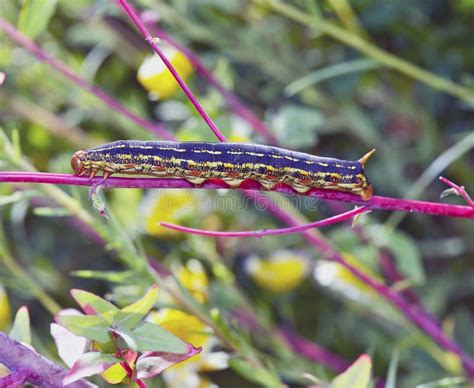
<point x="231" y="162"/>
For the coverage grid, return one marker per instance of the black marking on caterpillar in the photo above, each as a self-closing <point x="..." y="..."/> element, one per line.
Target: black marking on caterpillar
<point x="231" y="162"/>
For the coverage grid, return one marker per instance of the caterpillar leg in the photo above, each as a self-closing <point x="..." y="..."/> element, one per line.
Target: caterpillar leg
<point x="299" y="188"/>
<point x="268" y="185"/>
<point x="195" y="180"/>
<point x="233" y="182"/>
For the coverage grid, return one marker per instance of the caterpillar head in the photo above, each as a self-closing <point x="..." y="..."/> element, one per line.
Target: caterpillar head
<point x="76" y="163"/>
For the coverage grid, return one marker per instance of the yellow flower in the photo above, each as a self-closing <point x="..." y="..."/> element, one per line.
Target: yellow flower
<point x="5" y="313"/>
<point x="341" y="279"/>
<point x="169" y="206"/>
<point x="190" y="329"/>
<point x="185" y="326"/>
<point x="194" y="278"/>
<point x="238" y="138"/>
<point x="281" y="272"/>
<point x="116" y="374"/>
<point x="157" y="79"/>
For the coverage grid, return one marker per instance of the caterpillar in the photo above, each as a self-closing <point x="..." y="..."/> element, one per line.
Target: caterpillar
<point x="230" y="162"/>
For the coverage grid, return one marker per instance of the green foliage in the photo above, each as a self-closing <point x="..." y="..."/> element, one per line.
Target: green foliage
<point x="35" y="16"/>
<point x="316" y="92"/>
<point x="150" y="337"/>
<point x="357" y="375"/>
<point x="21" y="330"/>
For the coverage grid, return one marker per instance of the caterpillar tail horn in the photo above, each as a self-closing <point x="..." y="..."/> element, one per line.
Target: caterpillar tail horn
<point x="366" y="157"/>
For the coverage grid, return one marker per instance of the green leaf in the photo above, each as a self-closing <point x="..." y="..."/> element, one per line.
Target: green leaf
<point x="329" y="72"/>
<point x="252" y="373"/>
<point x="357" y="375"/>
<point x="93" y="304"/>
<point x="35" y="15"/>
<point x="109" y="276"/>
<point x="407" y="256"/>
<point x="130" y="316"/>
<point x="127" y="336"/>
<point x="292" y="119"/>
<point x="93" y="327"/>
<point x="17" y="196"/>
<point x="151" y="337"/>
<point x="392" y="371"/>
<point x="21" y="326"/>
<point x="51" y="212"/>
<point x="446" y="382"/>
<point x="89" y="364"/>
<point x="151" y="364"/>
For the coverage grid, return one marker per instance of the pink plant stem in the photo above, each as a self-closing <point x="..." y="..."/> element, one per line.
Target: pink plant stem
<point x="419" y="318"/>
<point x="173" y="71"/>
<point x="273" y="232"/>
<point x="459" y="189"/>
<point x="376" y="202"/>
<point x="391" y="272"/>
<point x="232" y="100"/>
<point x="313" y="351"/>
<point x="59" y="66"/>
<point x="425" y="322"/>
<point x="292" y="221"/>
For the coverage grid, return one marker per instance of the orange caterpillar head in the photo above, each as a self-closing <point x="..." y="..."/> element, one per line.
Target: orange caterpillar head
<point x="76" y="163"/>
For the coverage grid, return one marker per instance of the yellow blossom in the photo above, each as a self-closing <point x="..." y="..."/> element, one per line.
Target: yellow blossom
<point x="114" y="374"/>
<point x="169" y="206"/>
<point x="5" y="313"/>
<point x="238" y="138"/>
<point x="157" y="79"/>
<point x="194" y="278"/>
<point x="281" y="272"/>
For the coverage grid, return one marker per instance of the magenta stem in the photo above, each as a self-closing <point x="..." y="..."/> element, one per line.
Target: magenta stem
<point x="232" y="100"/>
<point x="62" y="68"/>
<point x="313" y="351"/>
<point x="170" y="67"/>
<point x="376" y="202"/>
<point x="418" y="317"/>
<point x="273" y="232"/>
<point x="459" y="189"/>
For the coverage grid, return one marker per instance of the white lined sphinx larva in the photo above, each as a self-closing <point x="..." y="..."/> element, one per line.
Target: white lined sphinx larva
<point x="231" y="162"/>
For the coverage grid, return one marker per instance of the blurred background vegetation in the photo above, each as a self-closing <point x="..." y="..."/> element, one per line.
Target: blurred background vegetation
<point x="317" y="95"/>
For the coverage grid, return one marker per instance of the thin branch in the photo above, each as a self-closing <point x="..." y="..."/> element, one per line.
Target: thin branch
<point x="425" y="322"/>
<point x="232" y="100"/>
<point x="55" y="124"/>
<point x="62" y="68"/>
<point x="173" y="71"/>
<point x="272" y="232"/>
<point x="376" y="202"/>
<point x="313" y="351"/>
<point x="39" y="370"/>
<point x="384" y="57"/>
<point x="460" y="190"/>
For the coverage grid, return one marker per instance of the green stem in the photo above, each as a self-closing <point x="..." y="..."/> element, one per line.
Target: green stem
<point x="16" y="270"/>
<point x="385" y="58"/>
